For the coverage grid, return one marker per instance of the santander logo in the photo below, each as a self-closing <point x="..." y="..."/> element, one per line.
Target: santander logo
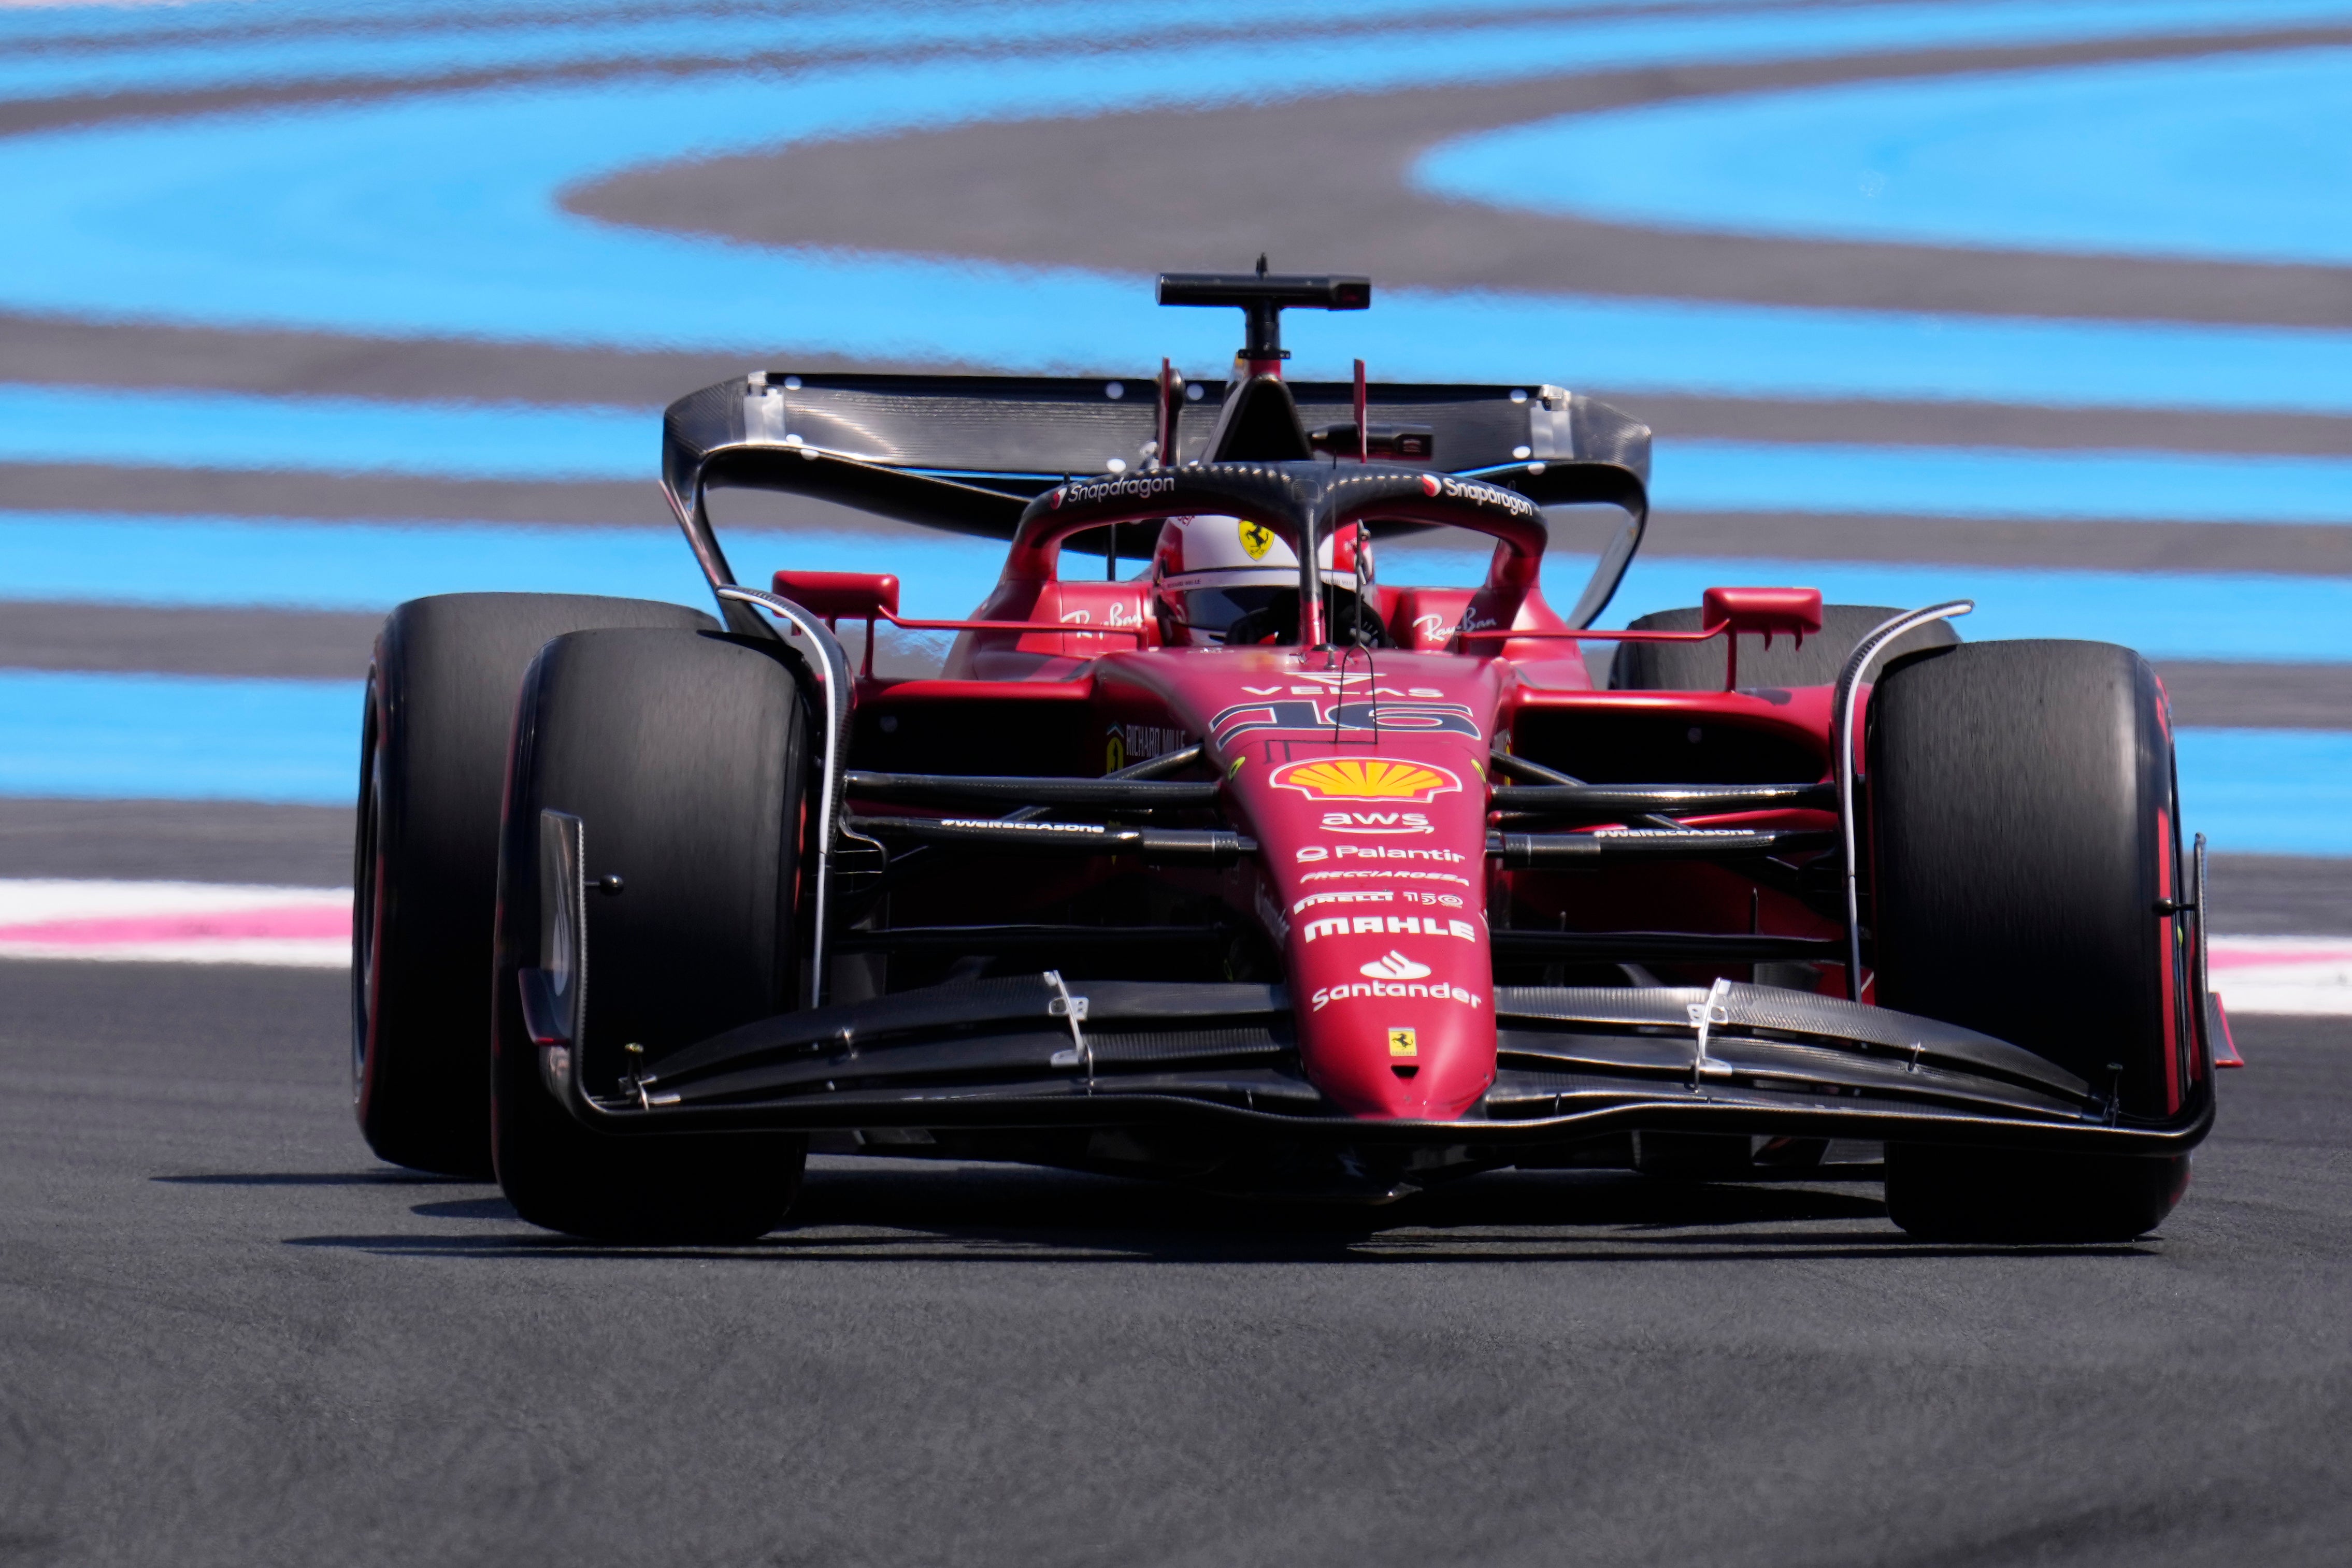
<point x="1395" y="967"/>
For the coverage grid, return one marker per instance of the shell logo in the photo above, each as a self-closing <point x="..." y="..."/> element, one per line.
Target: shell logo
<point x="1366" y="778"/>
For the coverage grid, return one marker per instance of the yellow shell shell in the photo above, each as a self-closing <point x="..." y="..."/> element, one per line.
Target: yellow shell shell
<point x="1366" y="778"/>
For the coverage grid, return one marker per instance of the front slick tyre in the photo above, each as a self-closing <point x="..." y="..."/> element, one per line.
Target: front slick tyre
<point x="2026" y="844"/>
<point x="2016" y="1197"/>
<point x="683" y="754"/>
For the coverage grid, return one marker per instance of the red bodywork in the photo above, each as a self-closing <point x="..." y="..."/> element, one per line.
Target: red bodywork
<point x="1363" y="776"/>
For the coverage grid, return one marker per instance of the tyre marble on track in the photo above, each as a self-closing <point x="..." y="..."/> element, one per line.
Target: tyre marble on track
<point x="226" y="1335"/>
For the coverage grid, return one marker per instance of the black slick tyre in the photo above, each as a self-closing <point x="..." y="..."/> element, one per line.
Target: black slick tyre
<point x="2025" y="845"/>
<point x="685" y="755"/>
<point x="1700" y="666"/>
<point x="432" y="753"/>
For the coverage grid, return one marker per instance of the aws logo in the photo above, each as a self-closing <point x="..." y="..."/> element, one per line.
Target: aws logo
<point x="1376" y="822"/>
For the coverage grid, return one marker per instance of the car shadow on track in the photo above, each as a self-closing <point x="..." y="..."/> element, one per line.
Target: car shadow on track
<point x="909" y="1211"/>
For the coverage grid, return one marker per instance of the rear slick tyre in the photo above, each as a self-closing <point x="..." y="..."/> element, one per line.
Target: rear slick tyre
<point x="684" y="756"/>
<point x="2025" y="845"/>
<point x="433" y="757"/>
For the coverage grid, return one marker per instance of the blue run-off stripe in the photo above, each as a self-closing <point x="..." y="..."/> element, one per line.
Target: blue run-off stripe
<point x="186" y="739"/>
<point x="442" y="215"/>
<point x="2238" y="156"/>
<point x="176" y="427"/>
<point x="336" y="566"/>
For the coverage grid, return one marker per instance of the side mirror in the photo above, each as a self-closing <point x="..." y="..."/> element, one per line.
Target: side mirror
<point x="1796" y="611"/>
<point x="859" y="595"/>
<point x="1763" y="610"/>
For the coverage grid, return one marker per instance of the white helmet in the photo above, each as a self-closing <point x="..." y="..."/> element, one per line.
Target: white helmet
<point x="1211" y="570"/>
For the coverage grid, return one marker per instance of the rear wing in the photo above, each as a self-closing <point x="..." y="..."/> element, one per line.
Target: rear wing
<point x="966" y="454"/>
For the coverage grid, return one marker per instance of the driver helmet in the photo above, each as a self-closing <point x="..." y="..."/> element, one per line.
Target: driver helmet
<point x="1209" y="571"/>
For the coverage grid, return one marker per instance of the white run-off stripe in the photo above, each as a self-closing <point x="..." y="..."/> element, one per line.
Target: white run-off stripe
<point x="2284" y="974"/>
<point x="176" y="923"/>
<point x="219" y="922"/>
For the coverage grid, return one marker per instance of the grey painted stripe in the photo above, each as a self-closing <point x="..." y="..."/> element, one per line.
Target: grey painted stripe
<point x="55" y="351"/>
<point x="284" y="643"/>
<point x="1893" y="423"/>
<point x="2281" y="896"/>
<point x="330" y="497"/>
<point x="1322" y="182"/>
<point x="194" y="841"/>
<point x="2258" y="697"/>
<point x="2317" y="550"/>
<point x="206" y="492"/>
<point x="64" y="352"/>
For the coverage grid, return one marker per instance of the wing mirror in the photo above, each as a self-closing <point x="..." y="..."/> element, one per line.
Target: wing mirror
<point x="1763" y="610"/>
<point x="858" y="595"/>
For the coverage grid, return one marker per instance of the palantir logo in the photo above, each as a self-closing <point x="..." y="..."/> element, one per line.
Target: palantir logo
<point x="1395" y="967"/>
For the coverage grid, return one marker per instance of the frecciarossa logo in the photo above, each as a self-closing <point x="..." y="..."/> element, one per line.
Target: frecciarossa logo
<point x="1109" y="489"/>
<point x="1472" y="490"/>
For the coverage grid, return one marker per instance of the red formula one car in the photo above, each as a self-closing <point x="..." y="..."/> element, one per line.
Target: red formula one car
<point x="1250" y="869"/>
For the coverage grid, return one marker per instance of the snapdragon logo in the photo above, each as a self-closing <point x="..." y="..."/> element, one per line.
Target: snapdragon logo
<point x="1395" y="967"/>
<point x="1472" y="490"/>
<point x="1108" y="490"/>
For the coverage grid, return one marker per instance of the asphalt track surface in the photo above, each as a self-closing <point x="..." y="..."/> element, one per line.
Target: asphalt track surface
<point x="229" y="1336"/>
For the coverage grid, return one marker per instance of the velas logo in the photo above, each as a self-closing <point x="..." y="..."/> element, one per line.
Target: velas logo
<point x="1428" y="485"/>
<point x="1366" y="778"/>
<point x="1395" y="967"/>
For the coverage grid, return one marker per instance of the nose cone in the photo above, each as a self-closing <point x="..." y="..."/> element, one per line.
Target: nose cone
<point x="1377" y="854"/>
<point x="1407" y="1033"/>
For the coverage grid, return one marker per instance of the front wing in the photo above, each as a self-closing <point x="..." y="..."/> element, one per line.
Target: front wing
<point x="1033" y="1053"/>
